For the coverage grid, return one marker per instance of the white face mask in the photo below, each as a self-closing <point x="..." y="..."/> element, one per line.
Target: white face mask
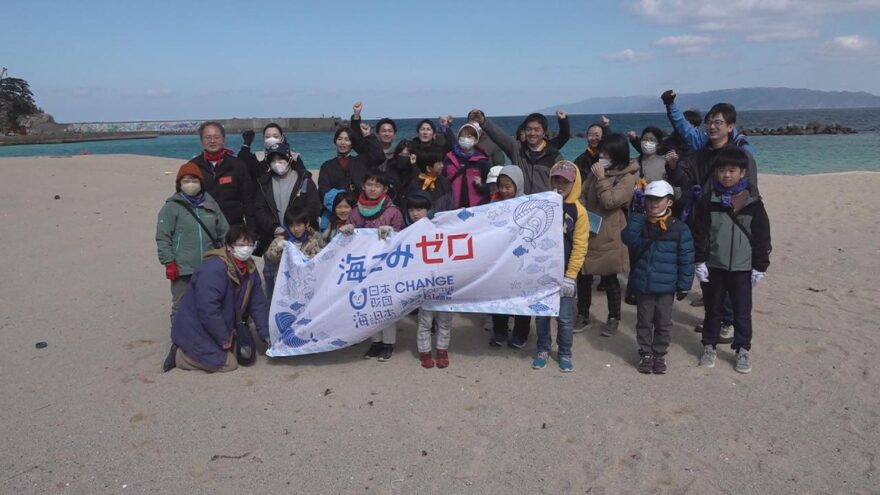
<point x="604" y="162"/>
<point x="242" y="253"/>
<point x="191" y="188"/>
<point x="466" y="142"/>
<point x="662" y="212"/>
<point x="649" y="147"/>
<point x="269" y="141"/>
<point x="280" y="167"/>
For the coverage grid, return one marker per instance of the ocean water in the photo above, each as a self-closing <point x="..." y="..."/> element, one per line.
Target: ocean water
<point x="787" y="155"/>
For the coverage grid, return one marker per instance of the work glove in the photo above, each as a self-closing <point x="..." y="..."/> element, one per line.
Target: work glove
<point x="757" y="277"/>
<point x="668" y="97"/>
<point x="347" y="229"/>
<point x="172" y="271"/>
<point x="568" y="287"/>
<point x="385" y="231"/>
<point x="248" y="137"/>
<point x="702" y="272"/>
<point x="680" y="295"/>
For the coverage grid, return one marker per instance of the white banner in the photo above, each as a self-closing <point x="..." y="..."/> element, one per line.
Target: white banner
<point x="500" y="258"/>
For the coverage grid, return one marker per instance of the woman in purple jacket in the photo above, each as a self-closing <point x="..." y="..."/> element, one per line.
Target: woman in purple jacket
<point x="203" y="330"/>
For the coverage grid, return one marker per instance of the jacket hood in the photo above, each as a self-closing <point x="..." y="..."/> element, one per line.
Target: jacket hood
<point x="180" y="198"/>
<point x="515" y="174"/>
<point x="575" y="194"/>
<point x="230" y="267"/>
<point x="329" y="197"/>
<point x="632" y="168"/>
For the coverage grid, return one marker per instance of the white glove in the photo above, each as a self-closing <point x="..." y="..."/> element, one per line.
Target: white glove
<point x="568" y="287"/>
<point x="757" y="277"/>
<point x="385" y="231"/>
<point x="702" y="272"/>
<point x="347" y="229"/>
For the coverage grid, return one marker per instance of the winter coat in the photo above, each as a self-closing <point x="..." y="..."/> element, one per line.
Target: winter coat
<point x="462" y="171"/>
<point x="390" y="215"/>
<point x="575" y="231"/>
<point x="535" y="167"/>
<point x="441" y="197"/>
<point x="698" y="170"/>
<point x="232" y="186"/>
<point x="304" y="196"/>
<point x="180" y="238"/>
<point x="663" y="260"/>
<point x="333" y="176"/>
<point x="721" y="243"/>
<point x="515" y="174"/>
<point x="609" y="197"/>
<point x="205" y="318"/>
<point x="697" y="138"/>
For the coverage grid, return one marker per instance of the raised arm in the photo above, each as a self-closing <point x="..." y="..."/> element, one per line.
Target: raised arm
<point x="504" y="141"/>
<point x="564" y="131"/>
<point x="695" y="138"/>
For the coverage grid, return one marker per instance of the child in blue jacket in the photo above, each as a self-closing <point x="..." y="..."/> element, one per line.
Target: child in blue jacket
<point x="662" y="253"/>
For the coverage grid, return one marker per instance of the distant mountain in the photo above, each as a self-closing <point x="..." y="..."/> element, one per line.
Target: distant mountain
<point x="742" y="98"/>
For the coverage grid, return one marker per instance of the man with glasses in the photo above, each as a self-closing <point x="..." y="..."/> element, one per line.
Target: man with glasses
<point x="691" y="133"/>
<point x="227" y="179"/>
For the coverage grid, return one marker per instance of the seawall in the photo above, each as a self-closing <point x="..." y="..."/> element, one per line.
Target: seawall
<point x="236" y="125"/>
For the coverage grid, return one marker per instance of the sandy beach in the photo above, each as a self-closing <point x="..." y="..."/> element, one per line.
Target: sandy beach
<point x="93" y="413"/>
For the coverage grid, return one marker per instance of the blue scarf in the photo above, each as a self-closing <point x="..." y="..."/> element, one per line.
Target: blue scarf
<point x="196" y="200"/>
<point x="458" y="150"/>
<point x="727" y="193"/>
<point x="294" y="239"/>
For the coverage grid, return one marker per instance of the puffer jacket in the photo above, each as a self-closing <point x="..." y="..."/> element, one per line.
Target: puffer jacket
<point x="231" y="186"/>
<point x="575" y="229"/>
<point x="721" y="243"/>
<point x="664" y="260"/>
<point x="205" y="318"/>
<point x="180" y="238"/>
<point x="609" y="197"/>
<point x="462" y="172"/>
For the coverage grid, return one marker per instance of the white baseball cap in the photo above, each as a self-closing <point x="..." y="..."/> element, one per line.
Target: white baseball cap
<point x="659" y="189"/>
<point x="494" y="172"/>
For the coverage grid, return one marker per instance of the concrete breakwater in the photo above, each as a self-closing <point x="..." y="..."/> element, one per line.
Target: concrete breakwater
<point x="236" y="125"/>
<point x="73" y="137"/>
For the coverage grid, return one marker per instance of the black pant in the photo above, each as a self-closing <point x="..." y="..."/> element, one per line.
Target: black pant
<point x="739" y="286"/>
<point x="585" y="293"/>
<point x="522" y="326"/>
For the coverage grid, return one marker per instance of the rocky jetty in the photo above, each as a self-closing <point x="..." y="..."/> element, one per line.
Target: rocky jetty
<point x="810" y="129"/>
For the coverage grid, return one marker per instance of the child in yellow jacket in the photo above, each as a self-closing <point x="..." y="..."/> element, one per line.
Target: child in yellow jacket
<point x="566" y="180"/>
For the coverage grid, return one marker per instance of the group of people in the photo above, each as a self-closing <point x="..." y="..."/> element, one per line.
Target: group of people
<point x="686" y="205"/>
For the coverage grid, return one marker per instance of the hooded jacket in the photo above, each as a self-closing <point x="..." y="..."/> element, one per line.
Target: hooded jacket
<point x="608" y="197"/>
<point x="665" y="261"/>
<point x="515" y="174"/>
<point x="576" y="229"/>
<point x="536" y="169"/>
<point x="181" y="239"/>
<point x="205" y="318"/>
<point x="721" y="243"/>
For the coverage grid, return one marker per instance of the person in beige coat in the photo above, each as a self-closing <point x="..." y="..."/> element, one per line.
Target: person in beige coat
<point x="607" y="192"/>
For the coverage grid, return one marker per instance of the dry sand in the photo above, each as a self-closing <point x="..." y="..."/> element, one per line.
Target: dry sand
<point x="93" y="413"/>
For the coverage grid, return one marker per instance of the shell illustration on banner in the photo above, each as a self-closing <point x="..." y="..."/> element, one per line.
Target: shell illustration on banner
<point x="533" y="217"/>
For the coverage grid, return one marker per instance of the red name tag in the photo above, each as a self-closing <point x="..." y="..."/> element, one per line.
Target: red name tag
<point x="225" y="180"/>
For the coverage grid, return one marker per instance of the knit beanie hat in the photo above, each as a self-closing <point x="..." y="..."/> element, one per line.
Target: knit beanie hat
<point x="190" y="168"/>
<point x="474" y="126"/>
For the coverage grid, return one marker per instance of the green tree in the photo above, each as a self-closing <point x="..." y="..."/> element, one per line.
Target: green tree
<point x="16" y="100"/>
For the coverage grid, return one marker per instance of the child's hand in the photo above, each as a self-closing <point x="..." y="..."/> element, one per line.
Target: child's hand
<point x="478" y="181"/>
<point x="672" y="159"/>
<point x="385" y="231"/>
<point x="568" y="287"/>
<point x="346" y="229"/>
<point x="702" y="272"/>
<point x="680" y="295"/>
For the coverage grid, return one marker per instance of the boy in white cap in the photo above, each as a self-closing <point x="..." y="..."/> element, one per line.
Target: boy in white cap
<point x="662" y="253"/>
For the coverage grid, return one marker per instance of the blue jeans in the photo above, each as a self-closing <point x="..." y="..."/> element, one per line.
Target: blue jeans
<point x="564" y="324"/>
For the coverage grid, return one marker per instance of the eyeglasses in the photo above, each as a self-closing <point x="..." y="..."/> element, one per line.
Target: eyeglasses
<point x="212" y="138"/>
<point x="714" y="123"/>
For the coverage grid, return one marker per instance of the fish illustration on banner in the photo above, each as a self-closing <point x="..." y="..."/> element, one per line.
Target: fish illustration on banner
<point x="468" y="260"/>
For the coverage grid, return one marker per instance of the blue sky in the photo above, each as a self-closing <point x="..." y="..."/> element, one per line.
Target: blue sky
<point x="122" y="60"/>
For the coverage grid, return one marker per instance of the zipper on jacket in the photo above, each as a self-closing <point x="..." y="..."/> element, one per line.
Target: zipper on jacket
<point x="201" y="245"/>
<point x="730" y="255"/>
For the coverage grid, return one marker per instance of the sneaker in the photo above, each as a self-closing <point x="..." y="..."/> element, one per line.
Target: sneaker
<point x="442" y="358"/>
<point x="659" y="365"/>
<point x="565" y="365"/>
<point x="516" y="343"/>
<point x="646" y="364"/>
<point x="374" y="350"/>
<point x="726" y="335"/>
<point x="610" y="327"/>
<point x="743" y="365"/>
<point x="387" y="351"/>
<point x="497" y="340"/>
<point x="707" y="360"/>
<point x="581" y="323"/>
<point x="426" y="359"/>
<point x="540" y="361"/>
<point x="698" y="329"/>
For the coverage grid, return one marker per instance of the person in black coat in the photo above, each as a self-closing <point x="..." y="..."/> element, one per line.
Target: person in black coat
<point x="272" y="134"/>
<point x="287" y="186"/>
<point x="226" y="177"/>
<point x="347" y="172"/>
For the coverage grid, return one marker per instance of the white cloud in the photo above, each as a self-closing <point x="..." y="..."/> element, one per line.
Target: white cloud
<point x="850" y="46"/>
<point x="625" y="55"/>
<point x="687" y="44"/>
<point x="756" y="20"/>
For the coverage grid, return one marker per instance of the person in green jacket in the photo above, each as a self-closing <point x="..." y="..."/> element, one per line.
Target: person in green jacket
<point x="181" y="240"/>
